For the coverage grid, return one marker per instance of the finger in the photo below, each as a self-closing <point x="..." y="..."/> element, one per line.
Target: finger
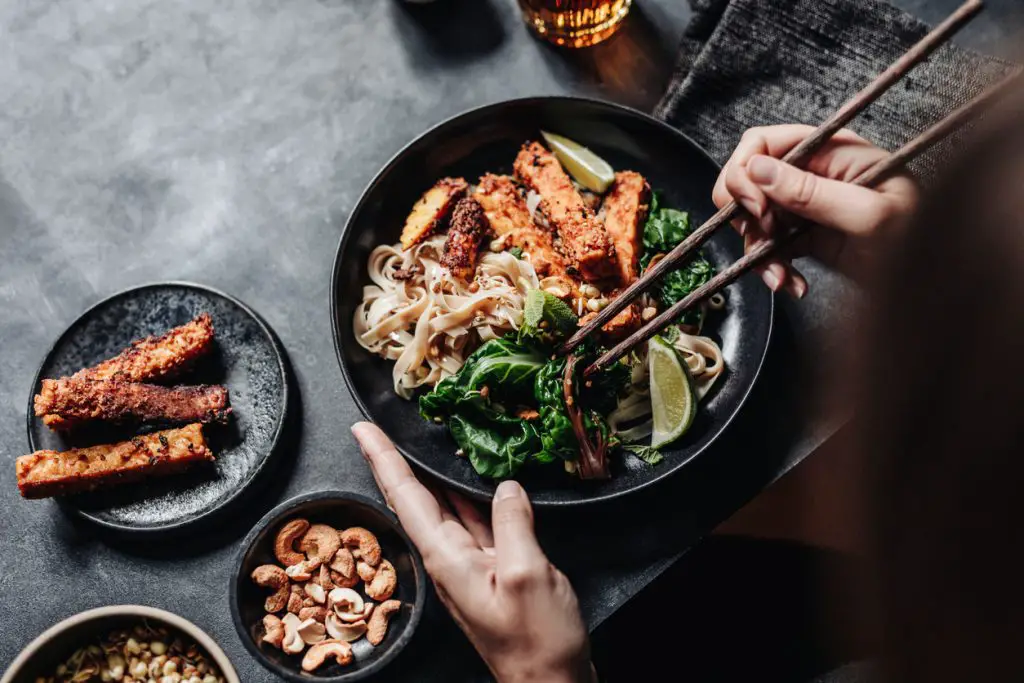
<point x="746" y="193"/>
<point x="472" y="518"/>
<point x="795" y="283"/>
<point x="438" y="491"/>
<point x="834" y="204"/>
<point x="417" y="509"/>
<point x="520" y="558"/>
<point x="774" y="275"/>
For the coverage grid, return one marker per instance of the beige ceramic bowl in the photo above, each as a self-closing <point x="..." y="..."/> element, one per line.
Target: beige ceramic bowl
<point x="58" y="642"/>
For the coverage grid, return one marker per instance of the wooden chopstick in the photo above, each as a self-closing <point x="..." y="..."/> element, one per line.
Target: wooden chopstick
<point x="767" y="248"/>
<point x="798" y="156"/>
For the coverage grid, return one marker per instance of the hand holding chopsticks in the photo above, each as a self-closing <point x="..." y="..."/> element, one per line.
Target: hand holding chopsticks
<point x="797" y="156"/>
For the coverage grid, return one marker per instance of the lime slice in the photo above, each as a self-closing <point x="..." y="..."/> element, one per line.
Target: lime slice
<point x="673" y="401"/>
<point x="588" y="169"/>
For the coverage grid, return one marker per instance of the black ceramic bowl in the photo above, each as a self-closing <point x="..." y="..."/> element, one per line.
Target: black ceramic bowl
<point x="42" y="656"/>
<point x="487" y="139"/>
<point x="340" y="510"/>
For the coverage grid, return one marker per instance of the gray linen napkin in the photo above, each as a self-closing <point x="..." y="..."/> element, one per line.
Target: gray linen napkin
<point x="747" y="63"/>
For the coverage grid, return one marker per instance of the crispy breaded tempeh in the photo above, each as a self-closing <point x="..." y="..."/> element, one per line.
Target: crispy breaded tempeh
<point x="508" y="215"/>
<point x="157" y="357"/>
<point x="49" y="473"/>
<point x="624" y="212"/>
<point x="73" y="400"/>
<point x="467" y="230"/>
<point x="583" y="242"/>
<point x="431" y="210"/>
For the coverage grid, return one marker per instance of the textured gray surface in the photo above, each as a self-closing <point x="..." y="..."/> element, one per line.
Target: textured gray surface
<point x="224" y="142"/>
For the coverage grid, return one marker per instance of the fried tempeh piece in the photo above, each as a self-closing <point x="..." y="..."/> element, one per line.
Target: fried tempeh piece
<point x="624" y="212"/>
<point x="157" y="357"/>
<point x="73" y="400"/>
<point x="432" y="209"/>
<point x="467" y="230"/>
<point x="583" y="242"/>
<point x="508" y="215"/>
<point x="621" y="326"/>
<point x="49" y="473"/>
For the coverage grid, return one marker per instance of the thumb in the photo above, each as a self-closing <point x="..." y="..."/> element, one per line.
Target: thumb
<point x="831" y="203"/>
<point x="519" y="556"/>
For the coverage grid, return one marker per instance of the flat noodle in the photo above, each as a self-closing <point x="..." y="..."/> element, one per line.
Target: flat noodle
<point x="417" y="314"/>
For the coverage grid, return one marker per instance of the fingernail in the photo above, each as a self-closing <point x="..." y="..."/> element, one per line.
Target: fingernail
<point x="768" y="223"/>
<point x="799" y="288"/>
<point x="771" y="279"/>
<point x="509" y="488"/>
<point x="744" y="226"/>
<point x="763" y="170"/>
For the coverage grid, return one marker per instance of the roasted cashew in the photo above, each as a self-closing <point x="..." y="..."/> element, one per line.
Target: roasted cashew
<point x="339" y="649"/>
<point x="378" y="624"/>
<point x="339" y="630"/>
<point x="272" y="576"/>
<point x="293" y="643"/>
<point x="320" y="542"/>
<point x="362" y="543"/>
<point x="345" y="601"/>
<point x="284" y="542"/>
<point x="273" y="631"/>
<point x="295" y="599"/>
<point x="324" y="579"/>
<point x="341" y="581"/>
<point x="303" y="571"/>
<point x="365" y="571"/>
<point x="318" y="613"/>
<point x="344" y="563"/>
<point x="384" y="582"/>
<point x="316" y="591"/>
<point x="311" y="632"/>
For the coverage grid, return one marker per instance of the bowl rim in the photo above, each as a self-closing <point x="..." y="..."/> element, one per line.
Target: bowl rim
<point x="275" y="515"/>
<point x="279" y="426"/>
<point x="346" y="234"/>
<point x="144" y="611"/>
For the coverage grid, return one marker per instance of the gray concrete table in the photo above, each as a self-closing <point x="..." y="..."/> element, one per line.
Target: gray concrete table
<point x="225" y="142"/>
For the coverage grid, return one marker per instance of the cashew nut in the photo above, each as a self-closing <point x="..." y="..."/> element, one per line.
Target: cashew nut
<point x="344" y="563"/>
<point x="365" y="571"/>
<point x="293" y="643"/>
<point x="345" y="601"/>
<point x="340" y="581"/>
<point x="303" y="571"/>
<point x="384" y="582"/>
<point x="318" y="613"/>
<point x="273" y="631"/>
<point x="318" y="654"/>
<point x="320" y="542"/>
<point x="311" y="632"/>
<point x="272" y="576"/>
<point x="378" y="625"/>
<point x="353" y="617"/>
<point x="362" y="543"/>
<point x="324" y="580"/>
<point x="316" y="591"/>
<point x="284" y="543"/>
<point x="339" y="630"/>
<point x="295" y="599"/>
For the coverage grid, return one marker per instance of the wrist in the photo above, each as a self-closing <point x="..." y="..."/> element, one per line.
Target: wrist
<point x="584" y="673"/>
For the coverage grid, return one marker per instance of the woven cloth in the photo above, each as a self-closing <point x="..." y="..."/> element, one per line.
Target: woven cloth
<point x="746" y="63"/>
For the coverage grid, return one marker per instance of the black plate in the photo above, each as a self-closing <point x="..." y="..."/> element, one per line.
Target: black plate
<point x="341" y="510"/>
<point x="247" y="359"/>
<point x="487" y="139"/>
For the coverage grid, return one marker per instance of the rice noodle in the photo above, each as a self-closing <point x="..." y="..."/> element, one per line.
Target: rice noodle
<point x="417" y="314"/>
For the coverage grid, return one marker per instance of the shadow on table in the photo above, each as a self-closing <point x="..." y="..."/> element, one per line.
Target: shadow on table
<point x="228" y="525"/>
<point x="736" y="610"/>
<point x="448" y="32"/>
<point x="632" y="67"/>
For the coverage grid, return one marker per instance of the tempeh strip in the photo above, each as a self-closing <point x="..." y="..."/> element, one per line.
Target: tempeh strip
<point x="65" y="402"/>
<point x="157" y="357"/>
<point x="468" y="228"/>
<point x="624" y="212"/>
<point x="584" y="242"/>
<point x="50" y="473"/>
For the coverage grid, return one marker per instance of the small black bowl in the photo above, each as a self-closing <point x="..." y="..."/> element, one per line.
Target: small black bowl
<point x="339" y="509"/>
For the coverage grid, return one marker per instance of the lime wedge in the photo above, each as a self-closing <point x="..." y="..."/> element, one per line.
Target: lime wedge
<point x="588" y="169"/>
<point x="673" y="401"/>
